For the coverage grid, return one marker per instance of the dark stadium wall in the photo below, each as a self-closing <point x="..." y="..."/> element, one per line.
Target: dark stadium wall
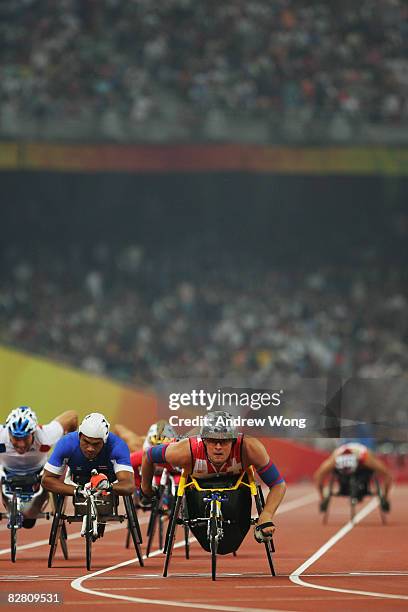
<point x="275" y="216"/>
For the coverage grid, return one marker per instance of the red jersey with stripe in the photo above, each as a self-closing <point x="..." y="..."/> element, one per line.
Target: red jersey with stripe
<point x="202" y="466"/>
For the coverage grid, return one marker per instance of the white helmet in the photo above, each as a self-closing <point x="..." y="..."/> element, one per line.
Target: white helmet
<point x="95" y="425"/>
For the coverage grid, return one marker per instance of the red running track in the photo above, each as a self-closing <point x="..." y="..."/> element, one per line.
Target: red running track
<point x="361" y="567"/>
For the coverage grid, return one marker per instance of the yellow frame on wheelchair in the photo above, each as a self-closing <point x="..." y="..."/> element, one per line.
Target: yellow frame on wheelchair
<point x="183" y="484"/>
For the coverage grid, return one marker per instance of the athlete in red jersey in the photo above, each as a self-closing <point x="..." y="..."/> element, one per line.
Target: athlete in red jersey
<point x="220" y="449"/>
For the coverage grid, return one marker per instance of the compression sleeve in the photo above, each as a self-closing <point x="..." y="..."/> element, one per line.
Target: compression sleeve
<point x="270" y="474"/>
<point x="157" y="454"/>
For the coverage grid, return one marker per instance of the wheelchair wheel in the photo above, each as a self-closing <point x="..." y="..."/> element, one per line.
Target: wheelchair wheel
<point x="269" y="546"/>
<point x="88" y="534"/>
<point x="171" y="534"/>
<point x="56" y="528"/>
<point x="213" y="546"/>
<point x="186" y="531"/>
<point x="13" y="527"/>
<point x="134" y="528"/>
<point x="381" y="500"/>
<point x="63" y="541"/>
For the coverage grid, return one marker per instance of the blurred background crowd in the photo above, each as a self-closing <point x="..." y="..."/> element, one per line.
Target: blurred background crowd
<point x="292" y="70"/>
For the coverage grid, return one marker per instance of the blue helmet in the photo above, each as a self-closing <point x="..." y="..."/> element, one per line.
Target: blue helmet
<point x="21" y="422"/>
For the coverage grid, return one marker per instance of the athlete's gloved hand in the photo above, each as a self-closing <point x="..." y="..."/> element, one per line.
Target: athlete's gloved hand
<point x="100" y="482"/>
<point x="262" y="536"/>
<point x="147" y="499"/>
<point x="84" y="490"/>
<point x="385" y="505"/>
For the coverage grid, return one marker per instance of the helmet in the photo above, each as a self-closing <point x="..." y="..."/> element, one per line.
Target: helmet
<point x="95" y="425"/>
<point x="160" y="433"/>
<point x="347" y="462"/>
<point x="21" y="422"/>
<point x="218" y="426"/>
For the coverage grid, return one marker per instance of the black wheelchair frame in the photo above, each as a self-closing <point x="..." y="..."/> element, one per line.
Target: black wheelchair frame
<point x="93" y="512"/>
<point x="17" y="486"/>
<point x="216" y="497"/>
<point x="355" y="486"/>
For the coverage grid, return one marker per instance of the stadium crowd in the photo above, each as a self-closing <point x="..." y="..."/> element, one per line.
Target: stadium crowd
<point x="144" y="317"/>
<point x="75" y="58"/>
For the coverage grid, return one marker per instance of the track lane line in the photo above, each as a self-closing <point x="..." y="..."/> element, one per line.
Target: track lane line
<point x="295" y="575"/>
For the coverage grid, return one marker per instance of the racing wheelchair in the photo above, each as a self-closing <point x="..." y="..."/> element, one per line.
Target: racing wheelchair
<point x="355" y="486"/>
<point x="18" y="491"/>
<point x="218" y="513"/>
<point x="94" y="511"/>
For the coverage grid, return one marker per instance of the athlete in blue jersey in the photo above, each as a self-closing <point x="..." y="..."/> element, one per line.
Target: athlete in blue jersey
<point x="93" y="447"/>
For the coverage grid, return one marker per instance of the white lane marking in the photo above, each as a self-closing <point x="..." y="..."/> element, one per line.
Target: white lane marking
<point x="295" y="576"/>
<point x="77" y="583"/>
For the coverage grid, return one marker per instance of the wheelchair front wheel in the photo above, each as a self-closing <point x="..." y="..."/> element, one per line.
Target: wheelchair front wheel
<point x="213" y="546"/>
<point x="13" y="527"/>
<point x="88" y="534"/>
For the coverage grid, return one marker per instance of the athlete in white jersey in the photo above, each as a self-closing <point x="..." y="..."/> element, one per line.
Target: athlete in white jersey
<point x="24" y="447"/>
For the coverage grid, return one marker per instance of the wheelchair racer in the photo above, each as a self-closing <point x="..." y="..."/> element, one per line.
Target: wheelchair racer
<point x="92" y="448"/>
<point x="24" y="447"/>
<point x="352" y="458"/>
<point x="220" y="450"/>
<point x="159" y="433"/>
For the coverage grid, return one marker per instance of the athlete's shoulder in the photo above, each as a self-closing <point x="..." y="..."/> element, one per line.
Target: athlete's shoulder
<point x="69" y="442"/>
<point x="114" y="443"/>
<point x="3" y="434"/>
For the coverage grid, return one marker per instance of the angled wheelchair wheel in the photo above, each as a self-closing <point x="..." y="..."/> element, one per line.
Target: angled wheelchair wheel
<point x="63" y="541"/>
<point x="155" y="521"/>
<point x="381" y="500"/>
<point x="269" y="546"/>
<point x="56" y="527"/>
<point x="13" y="527"/>
<point x="171" y="534"/>
<point x="213" y="546"/>
<point x="133" y="527"/>
<point x="88" y="534"/>
<point x="186" y="531"/>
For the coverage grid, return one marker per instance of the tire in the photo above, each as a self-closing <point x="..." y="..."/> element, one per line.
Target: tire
<point x="133" y="528"/>
<point x="13" y="529"/>
<point x="63" y="541"/>
<point x="269" y="546"/>
<point x="88" y="535"/>
<point x="56" y="527"/>
<point x="213" y="546"/>
<point x="171" y="534"/>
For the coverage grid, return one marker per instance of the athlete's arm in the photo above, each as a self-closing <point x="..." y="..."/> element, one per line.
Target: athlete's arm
<point x="68" y="420"/>
<point x="323" y="471"/>
<point x="125" y="484"/>
<point x="177" y="454"/>
<point x="54" y="483"/>
<point x="375" y="464"/>
<point x="54" y="469"/>
<point x="254" y="453"/>
<point x="132" y="439"/>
